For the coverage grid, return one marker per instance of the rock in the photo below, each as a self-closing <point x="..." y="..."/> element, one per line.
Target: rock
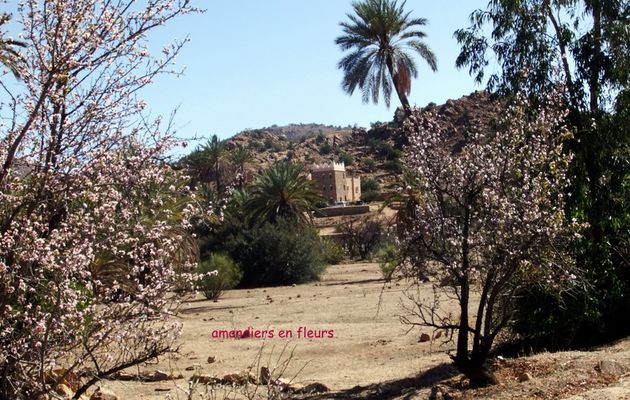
<point x="610" y="367"/>
<point x="425" y="337"/>
<point x="313" y="388"/>
<point x="437" y="335"/>
<point x="205" y="379"/>
<point x="265" y="376"/>
<point x="64" y="391"/>
<point x="102" y="394"/>
<point x="154" y="376"/>
<point x="63" y="376"/>
<point x="211" y="359"/>
<point x="524" y="377"/>
<point x="438" y="393"/>
<point x="191" y="368"/>
<point x="238" y="379"/>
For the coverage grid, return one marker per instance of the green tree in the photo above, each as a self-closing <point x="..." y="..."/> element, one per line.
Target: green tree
<point x="241" y="157"/>
<point x="380" y="34"/>
<point x="589" y="42"/>
<point x="282" y="191"/>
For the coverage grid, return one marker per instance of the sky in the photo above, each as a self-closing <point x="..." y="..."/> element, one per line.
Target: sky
<point x="251" y="64"/>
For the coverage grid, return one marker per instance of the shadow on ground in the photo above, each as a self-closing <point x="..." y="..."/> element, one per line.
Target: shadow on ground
<point x="395" y="389"/>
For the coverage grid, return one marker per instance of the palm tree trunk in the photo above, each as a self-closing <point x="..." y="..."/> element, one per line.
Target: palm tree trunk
<point x="401" y="93"/>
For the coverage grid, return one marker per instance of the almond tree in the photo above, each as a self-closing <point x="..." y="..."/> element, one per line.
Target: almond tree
<point x="488" y="220"/>
<point x="92" y="219"/>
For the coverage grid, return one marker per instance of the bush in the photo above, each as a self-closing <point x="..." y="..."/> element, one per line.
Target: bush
<point x="370" y="190"/>
<point x="333" y="252"/>
<point x="388" y="256"/>
<point x="393" y="166"/>
<point x="370" y="165"/>
<point x="370" y="185"/>
<point x="325" y="148"/>
<point x="278" y="254"/>
<point x="361" y="237"/>
<point x="346" y="159"/>
<point x="228" y="275"/>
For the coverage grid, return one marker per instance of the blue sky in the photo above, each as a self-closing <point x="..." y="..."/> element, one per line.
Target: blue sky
<point x="253" y="63"/>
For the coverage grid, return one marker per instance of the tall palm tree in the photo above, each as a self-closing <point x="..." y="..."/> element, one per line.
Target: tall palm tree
<point x="382" y="37"/>
<point x="282" y="191"/>
<point x="240" y="157"/>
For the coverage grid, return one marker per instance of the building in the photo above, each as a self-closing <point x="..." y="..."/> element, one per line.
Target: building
<point x="336" y="186"/>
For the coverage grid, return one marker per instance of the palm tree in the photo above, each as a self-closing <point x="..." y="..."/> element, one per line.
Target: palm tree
<point x="381" y="35"/>
<point x="240" y="157"/>
<point x="9" y="56"/>
<point x="282" y="191"/>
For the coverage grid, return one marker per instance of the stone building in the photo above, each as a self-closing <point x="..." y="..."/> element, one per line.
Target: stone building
<point x="335" y="184"/>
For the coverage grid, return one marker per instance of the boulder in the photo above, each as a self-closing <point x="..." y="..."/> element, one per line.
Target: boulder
<point x="205" y="379"/>
<point x="425" y="337"/>
<point x="102" y="394"/>
<point x="524" y="377"/>
<point x="610" y="367"/>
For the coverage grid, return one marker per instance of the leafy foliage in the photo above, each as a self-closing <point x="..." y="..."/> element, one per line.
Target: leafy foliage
<point x="220" y="273"/>
<point x="589" y="43"/>
<point x="490" y="214"/>
<point x="379" y="33"/>
<point x="279" y="253"/>
<point x="282" y="191"/>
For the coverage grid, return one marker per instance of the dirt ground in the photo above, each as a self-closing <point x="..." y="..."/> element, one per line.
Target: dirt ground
<point x="370" y="354"/>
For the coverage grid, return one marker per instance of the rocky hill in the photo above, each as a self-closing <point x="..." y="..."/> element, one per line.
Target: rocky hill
<point x="376" y="152"/>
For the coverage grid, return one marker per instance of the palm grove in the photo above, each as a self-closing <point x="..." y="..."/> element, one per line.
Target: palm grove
<point x="528" y="210"/>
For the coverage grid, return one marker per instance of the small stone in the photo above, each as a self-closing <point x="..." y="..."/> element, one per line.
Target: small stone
<point x="524" y="377"/>
<point x="64" y="390"/>
<point x="425" y="337"/>
<point x="205" y="379"/>
<point x="191" y="368"/>
<point x="313" y="388"/>
<point x="211" y="359"/>
<point x="293" y="285"/>
<point x="265" y="376"/>
<point x="102" y="394"/>
<point x="298" y="296"/>
<point x="437" y="335"/>
<point x="610" y="367"/>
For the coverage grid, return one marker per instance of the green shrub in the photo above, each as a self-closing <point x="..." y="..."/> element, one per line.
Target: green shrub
<point x="346" y="159"/>
<point x="325" y="149"/>
<point x="228" y="275"/>
<point x="370" y="185"/>
<point x="370" y="190"/>
<point x="393" y="166"/>
<point x="278" y="254"/>
<point x="334" y="253"/>
<point x="369" y="196"/>
<point x="370" y="165"/>
<point x="388" y="257"/>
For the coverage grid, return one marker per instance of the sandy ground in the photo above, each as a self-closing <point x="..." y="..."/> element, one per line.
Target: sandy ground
<point x="370" y="344"/>
<point x="371" y="354"/>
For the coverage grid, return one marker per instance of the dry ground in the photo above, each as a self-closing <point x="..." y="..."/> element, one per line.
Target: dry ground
<point x="371" y="354"/>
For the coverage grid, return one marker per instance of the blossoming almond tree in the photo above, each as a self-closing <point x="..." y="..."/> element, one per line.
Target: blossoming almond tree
<point x="488" y="219"/>
<point x="92" y="219"/>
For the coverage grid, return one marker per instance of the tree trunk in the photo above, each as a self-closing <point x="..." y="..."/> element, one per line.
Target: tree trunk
<point x="401" y="93"/>
<point x="596" y="60"/>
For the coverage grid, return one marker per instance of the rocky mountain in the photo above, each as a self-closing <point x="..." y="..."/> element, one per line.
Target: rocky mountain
<point x="374" y="152"/>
